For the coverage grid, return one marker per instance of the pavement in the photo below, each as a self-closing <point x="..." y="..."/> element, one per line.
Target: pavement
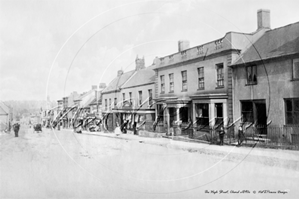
<point x="287" y="159"/>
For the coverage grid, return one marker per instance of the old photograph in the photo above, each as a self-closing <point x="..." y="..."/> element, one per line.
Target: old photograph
<point x="149" y="99"/>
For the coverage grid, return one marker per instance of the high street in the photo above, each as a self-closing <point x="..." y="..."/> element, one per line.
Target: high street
<point x="63" y="164"/>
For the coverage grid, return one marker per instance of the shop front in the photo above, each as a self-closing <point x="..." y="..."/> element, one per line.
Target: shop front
<point x="173" y="116"/>
<point x="209" y="114"/>
<point x="134" y="120"/>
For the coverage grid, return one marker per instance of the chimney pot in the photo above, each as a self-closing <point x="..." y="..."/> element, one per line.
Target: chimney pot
<point x="183" y="45"/>
<point x="102" y="85"/>
<point x="120" y="72"/>
<point x="139" y="63"/>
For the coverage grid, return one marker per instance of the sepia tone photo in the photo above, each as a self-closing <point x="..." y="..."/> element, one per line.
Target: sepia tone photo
<point x="149" y="99"/>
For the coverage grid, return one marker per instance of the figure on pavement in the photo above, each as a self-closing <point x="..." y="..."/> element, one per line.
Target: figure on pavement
<point x="221" y="135"/>
<point x="240" y="135"/>
<point x="16" y="128"/>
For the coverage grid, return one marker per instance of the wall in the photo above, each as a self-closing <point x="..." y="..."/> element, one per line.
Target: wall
<point x="135" y="95"/>
<point x="210" y="77"/>
<point x="87" y="98"/>
<point x="280" y="84"/>
<point x="111" y="96"/>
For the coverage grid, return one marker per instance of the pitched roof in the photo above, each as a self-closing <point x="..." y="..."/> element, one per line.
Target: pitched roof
<point x="141" y="77"/>
<point x="274" y="43"/>
<point x="4" y="110"/>
<point x="94" y="102"/>
<point x="117" y="82"/>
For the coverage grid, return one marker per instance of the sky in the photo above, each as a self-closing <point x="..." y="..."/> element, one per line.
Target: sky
<point x="54" y="47"/>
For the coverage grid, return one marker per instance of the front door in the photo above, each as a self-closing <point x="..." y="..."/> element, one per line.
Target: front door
<point x="261" y="117"/>
<point x="219" y="114"/>
<point x="172" y="114"/>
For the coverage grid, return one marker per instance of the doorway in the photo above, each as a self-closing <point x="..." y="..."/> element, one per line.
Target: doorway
<point x="172" y="114"/>
<point x="254" y="111"/>
<point x="219" y="114"/>
<point x="261" y="117"/>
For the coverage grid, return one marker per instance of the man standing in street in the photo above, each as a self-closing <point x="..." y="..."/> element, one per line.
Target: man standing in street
<point x="221" y="135"/>
<point x="16" y="128"/>
<point x="240" y="135"/>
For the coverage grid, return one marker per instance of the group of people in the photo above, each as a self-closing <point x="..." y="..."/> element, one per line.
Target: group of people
<point x="241" y="136"/>
<point x="16" y="128"/>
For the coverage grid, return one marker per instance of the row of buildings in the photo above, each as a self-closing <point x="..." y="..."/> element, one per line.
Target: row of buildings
<point x="248" y="78"/>
<point x="6" y="116"/>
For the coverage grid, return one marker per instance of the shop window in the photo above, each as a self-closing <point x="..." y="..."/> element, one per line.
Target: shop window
<point x="295" y="69"/>
<point x="251" y="75"/>
<point x="184" y="114"/>
<point x="202" y="114"/>
<point x="292" y="111"/>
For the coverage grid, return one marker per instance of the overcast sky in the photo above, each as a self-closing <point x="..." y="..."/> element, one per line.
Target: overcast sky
<point x="54" y="47"/>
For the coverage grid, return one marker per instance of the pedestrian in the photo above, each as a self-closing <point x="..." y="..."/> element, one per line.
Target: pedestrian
<point x="118" y="130"/>
<point x="221" y="135"/>
<point x="78" y="127"/>
<point x="16" y="128"/>
<point x="58" y="126"/>
<point x="240" y="135"/>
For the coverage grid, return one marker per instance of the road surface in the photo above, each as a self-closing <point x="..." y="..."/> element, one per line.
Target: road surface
<point x="63" y="164"/>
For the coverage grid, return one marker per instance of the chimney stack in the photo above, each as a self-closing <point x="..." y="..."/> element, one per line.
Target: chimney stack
<point x="120" y="72"/>
<point x="94" y="87"/>
<point x="139" y="63"/>
<point x="102" y="85"/>
<point x="183" y="45"/>
<point x="263" y="19"/>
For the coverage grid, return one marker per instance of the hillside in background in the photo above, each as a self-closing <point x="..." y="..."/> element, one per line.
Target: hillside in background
<point x="25" y="108"/>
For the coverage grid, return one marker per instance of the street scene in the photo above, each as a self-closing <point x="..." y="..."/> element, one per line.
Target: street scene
<point x="53" y="164"/>
<point x="149" y="99"/>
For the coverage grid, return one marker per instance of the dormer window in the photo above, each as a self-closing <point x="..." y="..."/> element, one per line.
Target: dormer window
<point x="171" y="58"/>
<point x="162" y="60"/>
